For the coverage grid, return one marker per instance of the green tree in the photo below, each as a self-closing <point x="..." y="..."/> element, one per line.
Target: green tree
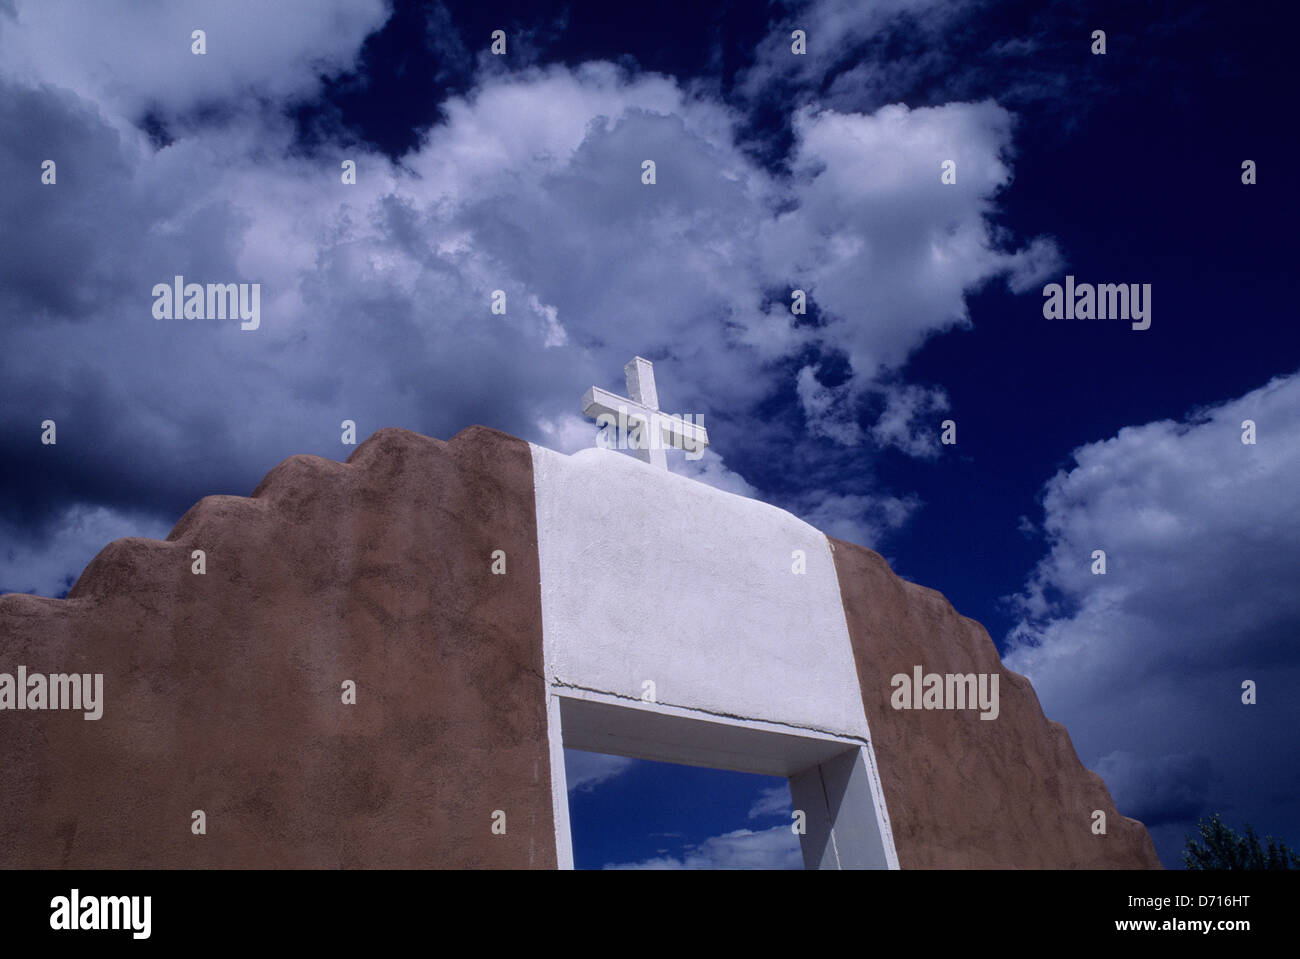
<point x="1223" y="849"/>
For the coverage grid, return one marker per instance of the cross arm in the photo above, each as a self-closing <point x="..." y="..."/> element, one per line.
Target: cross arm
<point x="597" y="401"/>
<point x="675" y="432"/>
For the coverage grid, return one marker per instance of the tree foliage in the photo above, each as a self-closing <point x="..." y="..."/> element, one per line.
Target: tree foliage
<point x="1221" y="848"/>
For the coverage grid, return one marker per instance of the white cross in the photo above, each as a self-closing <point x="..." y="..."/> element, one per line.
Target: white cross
<point x="641" y="405"/>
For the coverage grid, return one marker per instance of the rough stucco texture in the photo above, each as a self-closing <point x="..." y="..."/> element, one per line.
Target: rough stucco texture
<point x="963" y="792"/>
<point x="223" y="691"/>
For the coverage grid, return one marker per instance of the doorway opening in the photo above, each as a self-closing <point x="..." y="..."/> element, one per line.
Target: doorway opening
<point x="835" y="799"/>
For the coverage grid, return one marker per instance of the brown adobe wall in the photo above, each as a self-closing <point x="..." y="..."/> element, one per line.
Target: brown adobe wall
<point x="964" y="792"/>
<point x="222" y="691"/>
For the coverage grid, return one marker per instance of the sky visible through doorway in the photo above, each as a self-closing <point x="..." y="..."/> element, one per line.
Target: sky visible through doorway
<point x="635" y="814"/>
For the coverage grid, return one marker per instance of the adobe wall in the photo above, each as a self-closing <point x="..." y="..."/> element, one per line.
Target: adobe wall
<point x="965" y="792"/>
<point x="222" y="691"/>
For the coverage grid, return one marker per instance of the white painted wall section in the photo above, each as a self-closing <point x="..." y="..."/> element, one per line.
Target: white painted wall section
<point x="647" y="575"/>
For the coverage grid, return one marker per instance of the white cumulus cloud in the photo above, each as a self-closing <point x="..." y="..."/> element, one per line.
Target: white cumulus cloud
<point x="775" y="848"/>
<point x="1145" y="664"/>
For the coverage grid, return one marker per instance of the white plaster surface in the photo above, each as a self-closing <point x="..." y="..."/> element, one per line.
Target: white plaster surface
<point x="559" y="785"/>
<point x="669" y="734"/>
<point x="646" y="575"/>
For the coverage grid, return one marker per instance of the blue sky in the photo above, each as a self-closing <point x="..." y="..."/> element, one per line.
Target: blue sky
<point x="636" y="814"/>
<point x="775" y="172"/>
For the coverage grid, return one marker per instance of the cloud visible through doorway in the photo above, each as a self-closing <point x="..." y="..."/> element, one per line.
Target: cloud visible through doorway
<point x="634" y="814"/>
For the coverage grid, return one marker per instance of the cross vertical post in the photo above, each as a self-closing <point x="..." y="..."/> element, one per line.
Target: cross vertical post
<point x="640" y="376"/>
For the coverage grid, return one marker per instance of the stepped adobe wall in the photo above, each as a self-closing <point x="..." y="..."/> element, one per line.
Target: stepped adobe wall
<point x="223" y="691"/>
